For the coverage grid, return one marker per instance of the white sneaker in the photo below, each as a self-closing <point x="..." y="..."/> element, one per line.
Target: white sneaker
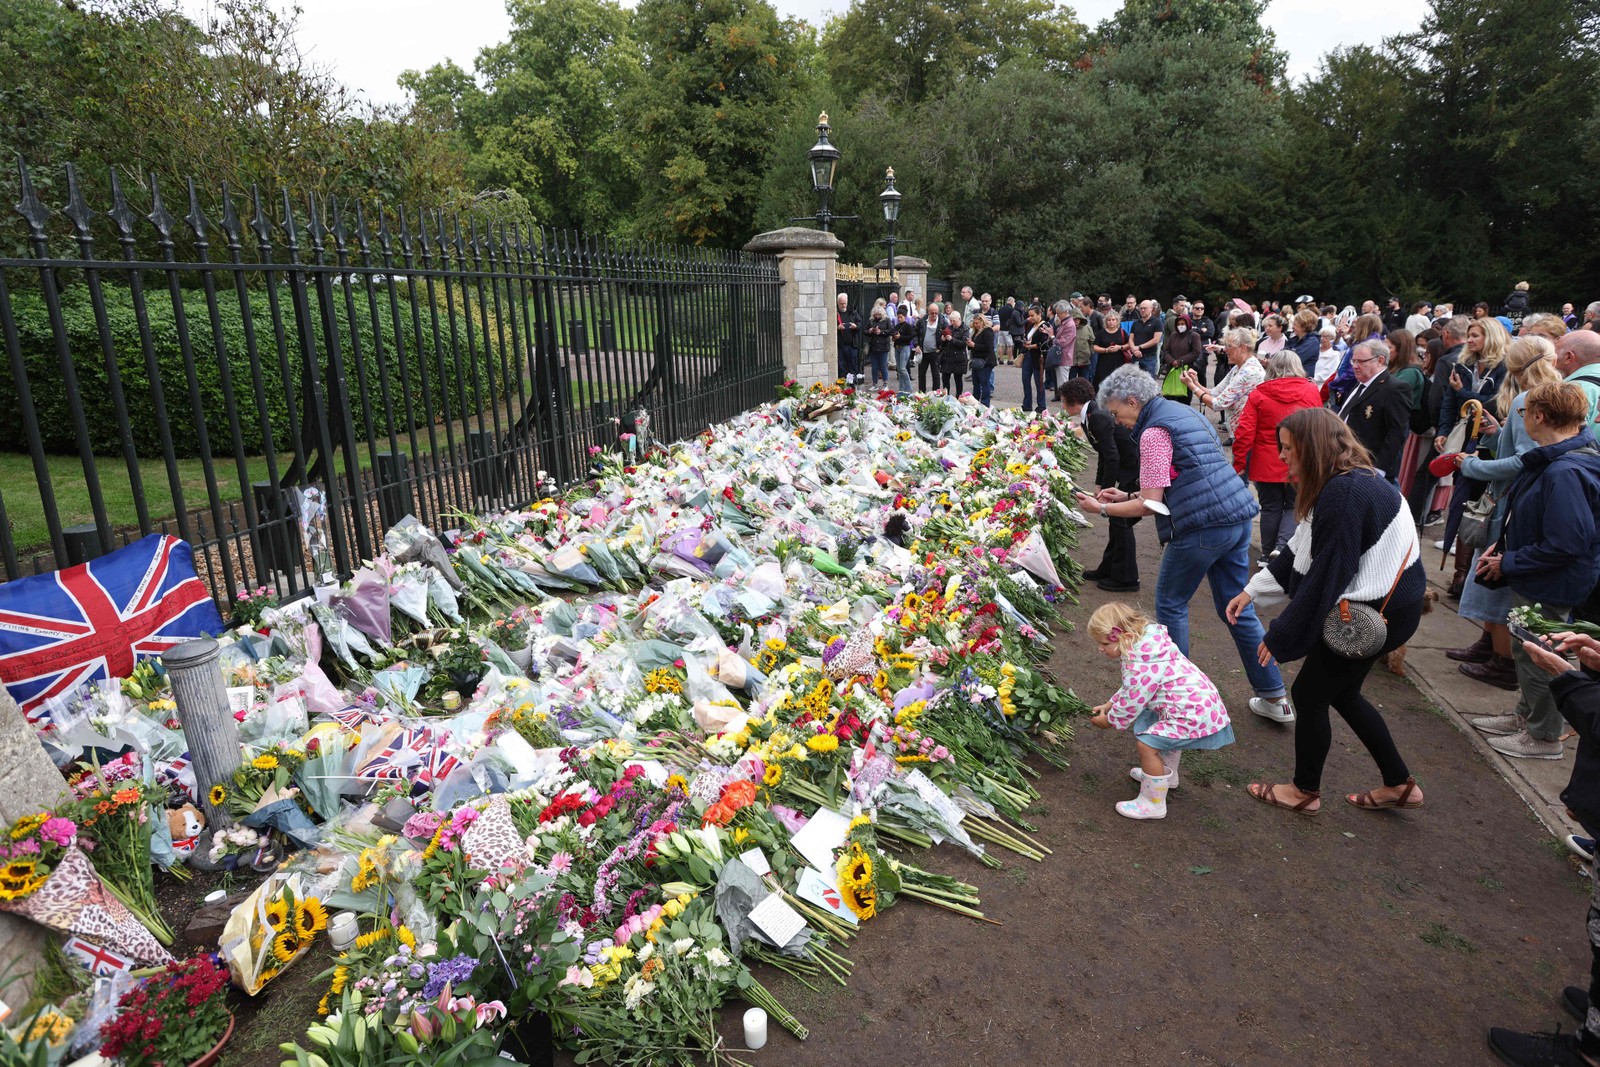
<point x="1496" y="725"/>
<point x="1523" y="745"/>
<point x="1279" y="710"/>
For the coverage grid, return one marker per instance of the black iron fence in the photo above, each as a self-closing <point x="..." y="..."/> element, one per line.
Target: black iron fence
<point x="198" y="378"/>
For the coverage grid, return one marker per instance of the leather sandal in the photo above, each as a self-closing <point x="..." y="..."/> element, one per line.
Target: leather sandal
<point x="1263" y="791"/>
<point x="1367" y="802"/>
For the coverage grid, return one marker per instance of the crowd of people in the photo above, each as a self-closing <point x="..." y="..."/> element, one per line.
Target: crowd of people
<point x="1350" y="434"/>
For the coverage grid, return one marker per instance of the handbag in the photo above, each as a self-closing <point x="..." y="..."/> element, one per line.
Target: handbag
<point x="1359" y="631"/>
<point x="1172" y="386"/>
<point x="1473" y="532"/>
<point x="1052" y="358"/>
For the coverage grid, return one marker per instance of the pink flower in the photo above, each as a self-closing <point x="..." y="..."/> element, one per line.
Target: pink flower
<point x="489" y="1011"/>
<point x="561" y="862"/>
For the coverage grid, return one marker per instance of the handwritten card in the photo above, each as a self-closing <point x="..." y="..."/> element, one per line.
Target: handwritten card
<point x="240" y="697"/>
<point x="822" y="833"/>
<point x="777" y="920"/>
<point x="756" y="860"/>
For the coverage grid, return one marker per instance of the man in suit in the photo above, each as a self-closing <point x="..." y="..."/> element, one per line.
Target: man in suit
<point x="1378" y="410"/>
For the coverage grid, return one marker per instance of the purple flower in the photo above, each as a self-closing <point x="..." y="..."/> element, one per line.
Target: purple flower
<point x="453" y="971"/>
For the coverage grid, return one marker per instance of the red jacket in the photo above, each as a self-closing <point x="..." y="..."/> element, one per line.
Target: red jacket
<point x="1255" y="438"/>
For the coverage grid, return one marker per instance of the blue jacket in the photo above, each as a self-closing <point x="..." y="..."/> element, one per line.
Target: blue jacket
<point x="1552" y="542"/>
<point x="1308" y="348"/>
<point x="1206" y="491"/>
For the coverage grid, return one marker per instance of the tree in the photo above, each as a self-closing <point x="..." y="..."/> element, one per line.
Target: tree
<point x="546" y="121"/>
<point x="908" y="52"/>
<point x="1138" y="21"/>
<point x="719" y="78"/>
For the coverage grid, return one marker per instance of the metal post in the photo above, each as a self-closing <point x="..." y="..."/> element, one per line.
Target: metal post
<point x="83" y="543"/>
<point x="208" y="725"/>
<point x="393" y="475"/>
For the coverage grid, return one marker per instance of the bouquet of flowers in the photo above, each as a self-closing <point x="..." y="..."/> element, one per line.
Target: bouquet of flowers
<point x="173" y="1017"/>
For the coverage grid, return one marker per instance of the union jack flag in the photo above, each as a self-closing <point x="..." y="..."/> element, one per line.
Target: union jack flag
<point x="61" y="630"/>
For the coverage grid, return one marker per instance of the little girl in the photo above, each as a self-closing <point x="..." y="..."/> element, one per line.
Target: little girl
<point x="1168" y="701"/>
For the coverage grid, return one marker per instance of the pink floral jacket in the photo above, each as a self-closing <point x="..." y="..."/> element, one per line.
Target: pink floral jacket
<point x="1156" y="675"/>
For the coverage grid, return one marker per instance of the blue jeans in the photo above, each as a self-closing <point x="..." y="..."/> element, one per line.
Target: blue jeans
<point x="982" y="384"/>
<point x="1148" y="362"/>
<point x="1031" y="372"/>
<point x="1220" y="555"/>
<point x="902" y="368"/>
<point x="880" y="367"/>
<point x="849" y="361"/>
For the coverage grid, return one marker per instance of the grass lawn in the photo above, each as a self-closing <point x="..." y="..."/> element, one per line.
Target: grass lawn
<point x="30" y="532"/>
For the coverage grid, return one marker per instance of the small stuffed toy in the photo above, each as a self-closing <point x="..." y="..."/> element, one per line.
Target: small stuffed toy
<point x="185" y="823"/>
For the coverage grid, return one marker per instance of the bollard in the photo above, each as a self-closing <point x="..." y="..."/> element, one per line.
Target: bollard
<point x="608" y="335"/>
<point x="208" y="725"/>
<point x="83" y="543"/>
<point x="578" y="337"/>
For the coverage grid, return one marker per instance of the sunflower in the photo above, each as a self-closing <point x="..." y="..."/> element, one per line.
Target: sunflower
<point x="855" y="868"/>
<point x="862" y="900"/>
<point x="772" y="776"/>
<point x="265" y="762"/>
<point x="27" y="825"/>
<point x="366" y="874"/>
<point x="309" y="917"/>
<point x="407" y="938"/>
<point x="219" y="795"/>
<point x="277" y="915"/>
<point x="284" y="946"/>
<point x="341" y="975"/>
<point x="366" y="941"/>
<point x="677" y="782"/>
<point x="322" y="1005"/>
<point x="19" y="870"/>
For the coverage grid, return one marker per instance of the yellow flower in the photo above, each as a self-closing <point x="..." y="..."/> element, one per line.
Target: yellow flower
<point x="27" y="825"/>
<point x="862" y="900"/>
<point x="776" y="644"/>
<point x="219" y="795"/>
<point x="341" y="975"/>
<point x="322" y="1005"/>
<point x="823" y="743"/>
<point x="772" y="776"/>
<point x="366" y="941"/>
<point x="277" y="914"/>
<point x="676" y="782"/>
<point x="265" y="762"/>
<point x="407" y="938"/>
<point x="740" y="835"/>
<point x="284" y="946"/>
<point x="309" y="917"/>
<point x="366" y="874"/>
<point x="860" y="821"/>
<point x="50" y="1026"/>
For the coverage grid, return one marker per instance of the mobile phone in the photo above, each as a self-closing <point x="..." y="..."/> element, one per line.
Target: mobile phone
<point x="1522" y="633"/>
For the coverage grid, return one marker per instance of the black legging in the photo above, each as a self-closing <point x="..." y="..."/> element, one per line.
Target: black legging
<point x="1328" y="679"/>
<point x="952" y="382"/>
<point x="927" y="365"/>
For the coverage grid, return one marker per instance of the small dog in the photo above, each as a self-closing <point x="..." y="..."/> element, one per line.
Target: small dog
<point x="1395" y="662"/>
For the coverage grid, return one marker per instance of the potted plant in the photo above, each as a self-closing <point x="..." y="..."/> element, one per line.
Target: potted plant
<point x="178" y="1016"/>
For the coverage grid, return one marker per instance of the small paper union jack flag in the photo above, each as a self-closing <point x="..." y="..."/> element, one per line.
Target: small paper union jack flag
<point x="99" y="959"/>
<point x="61" y="630"/>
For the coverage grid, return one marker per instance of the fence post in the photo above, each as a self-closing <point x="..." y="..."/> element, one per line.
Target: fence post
<point x="83" y="543"/>
<point x="392" y="473"/>
<point x="277" y="540"/>
<point x="807" y="262"/>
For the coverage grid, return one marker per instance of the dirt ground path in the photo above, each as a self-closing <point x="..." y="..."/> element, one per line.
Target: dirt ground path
<point x="1228" y="933"/>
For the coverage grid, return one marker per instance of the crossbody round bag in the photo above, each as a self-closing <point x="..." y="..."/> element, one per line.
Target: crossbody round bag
<point x="1356" y="630"/>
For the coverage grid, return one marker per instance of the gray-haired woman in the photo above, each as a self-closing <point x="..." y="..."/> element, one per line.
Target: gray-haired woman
<point x="1205" y="521"/>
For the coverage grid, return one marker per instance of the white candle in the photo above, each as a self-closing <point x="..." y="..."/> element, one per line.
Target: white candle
<point x="342" y="930"/>
<point x="755" y="1028"/>
<point x="216" y="895"/>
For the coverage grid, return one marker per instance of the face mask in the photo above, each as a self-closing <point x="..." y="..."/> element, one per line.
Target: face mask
<point x="1183" y="329"/>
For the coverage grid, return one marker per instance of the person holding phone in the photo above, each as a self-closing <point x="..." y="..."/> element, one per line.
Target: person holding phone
<point x="1548" y="551"/>
<point x="1577" y="698"/>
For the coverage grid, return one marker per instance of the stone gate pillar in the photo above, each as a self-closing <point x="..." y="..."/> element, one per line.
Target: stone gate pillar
<point x="807" y="263"/>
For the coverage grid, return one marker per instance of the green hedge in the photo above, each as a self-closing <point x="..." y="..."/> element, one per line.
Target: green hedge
<point x="50" y="399"/>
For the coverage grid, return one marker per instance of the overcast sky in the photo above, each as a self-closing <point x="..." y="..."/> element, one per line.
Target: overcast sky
<point x="369" y="42"/>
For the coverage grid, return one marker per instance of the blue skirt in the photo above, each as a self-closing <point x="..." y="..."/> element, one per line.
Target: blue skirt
<point x="1480" y="604"/>
<point x="1149" y="717"/>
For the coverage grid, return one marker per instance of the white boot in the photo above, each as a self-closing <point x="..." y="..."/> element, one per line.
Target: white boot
<point x="1170" y="759"/>
<point x="1151" y="803"/>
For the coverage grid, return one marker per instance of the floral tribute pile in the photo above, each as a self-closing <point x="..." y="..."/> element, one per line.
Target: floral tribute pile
<point x="596" y="758"/>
